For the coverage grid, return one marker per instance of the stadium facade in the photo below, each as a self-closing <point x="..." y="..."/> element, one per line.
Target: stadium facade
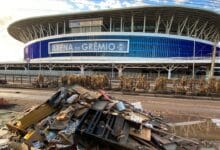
<point x="161" y="38"/>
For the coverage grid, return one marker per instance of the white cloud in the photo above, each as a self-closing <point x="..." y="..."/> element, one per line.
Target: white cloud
<point x="85" y="4"/>
<point x="180" y="1"/>
<point x="139" y="3"/>
<point x="11" y="50"/>
<point x="159" y="1"/>
<point x="25" y="8"/>
<point x="12" y="10"/>
<point x="127" y="4"/>
<point x="110" y="4"/>
<point x="134" y="3"/>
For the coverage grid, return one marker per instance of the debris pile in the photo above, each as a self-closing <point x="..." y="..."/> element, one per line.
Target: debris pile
<point x="43" y="82"/>
<point x="160" y="85"/>
<point x="77" y="118"/>
<point x="212" y="85"/>
<point x="181" y="86"/>
<point x="39" y="82"/>
<point x="134" y="84"/>
<point x="93" y="81"/>
<point x="3" y="81"/>
<point x="127" y="84"/>
<point x="3" y="103"/>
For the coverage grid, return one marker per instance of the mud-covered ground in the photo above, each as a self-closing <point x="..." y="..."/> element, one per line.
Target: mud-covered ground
<point x="176" y="109"/>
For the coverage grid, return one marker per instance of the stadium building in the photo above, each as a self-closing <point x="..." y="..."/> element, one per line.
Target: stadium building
<point x="143" y="40"/>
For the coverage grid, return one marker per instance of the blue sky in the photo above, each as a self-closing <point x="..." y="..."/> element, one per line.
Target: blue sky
<point x="11" y="10"/>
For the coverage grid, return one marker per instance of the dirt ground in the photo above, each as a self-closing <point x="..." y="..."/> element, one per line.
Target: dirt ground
<point x="21" y="99"/>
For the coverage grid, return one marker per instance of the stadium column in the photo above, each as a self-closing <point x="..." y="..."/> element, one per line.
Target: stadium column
<point x="110" y="24"/>
<point x="120" y="69"/>
<point x="132" y="23"/>
<point x="6" y="67"/>
<point x="169" y="73"/>
<point x="50" y="67"/>
<point x="25" y="68"/>
<point x="82" y="70"/>
<point x="49" y="29"/>
<point x="158" y="73"/>
<point x="170" y="69"/>
<point x="144" y="24"/>
<point x="120" y="72"/>
<point x="64" y="27"/>
<point x="121" y="27"/>
<point x="207" y="72"/>
<point x="57" y="28"/>
<point x="157" y="26"/>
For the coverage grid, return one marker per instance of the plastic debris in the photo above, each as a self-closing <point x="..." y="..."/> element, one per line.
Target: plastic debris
<point x="72" y="98"/>
<point x="120" y="106"/>
<point x="137" y="106"/>
<point x="216" y="121"/>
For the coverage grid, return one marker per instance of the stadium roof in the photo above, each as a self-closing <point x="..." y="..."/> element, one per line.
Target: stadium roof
<point x="151" y="12"/>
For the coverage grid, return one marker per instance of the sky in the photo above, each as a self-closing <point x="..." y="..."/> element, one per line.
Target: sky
<point x="12" y="10"/>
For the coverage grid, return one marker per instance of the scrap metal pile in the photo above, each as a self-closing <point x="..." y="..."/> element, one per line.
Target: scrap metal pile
<point x="77" y="118"/>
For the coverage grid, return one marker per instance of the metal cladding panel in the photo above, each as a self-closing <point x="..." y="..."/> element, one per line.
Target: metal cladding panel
<point x="139" y="46"/>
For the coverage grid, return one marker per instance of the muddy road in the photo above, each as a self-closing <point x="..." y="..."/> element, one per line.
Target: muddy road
<point x="174" y="108"/>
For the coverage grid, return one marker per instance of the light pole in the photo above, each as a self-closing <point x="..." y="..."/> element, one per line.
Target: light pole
<point x="194" y="51"/>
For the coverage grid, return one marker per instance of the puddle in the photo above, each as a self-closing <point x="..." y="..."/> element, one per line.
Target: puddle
<point x="204" y="130"/>
<point x="7" y="106"/>
<point x="6" y="116"/>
